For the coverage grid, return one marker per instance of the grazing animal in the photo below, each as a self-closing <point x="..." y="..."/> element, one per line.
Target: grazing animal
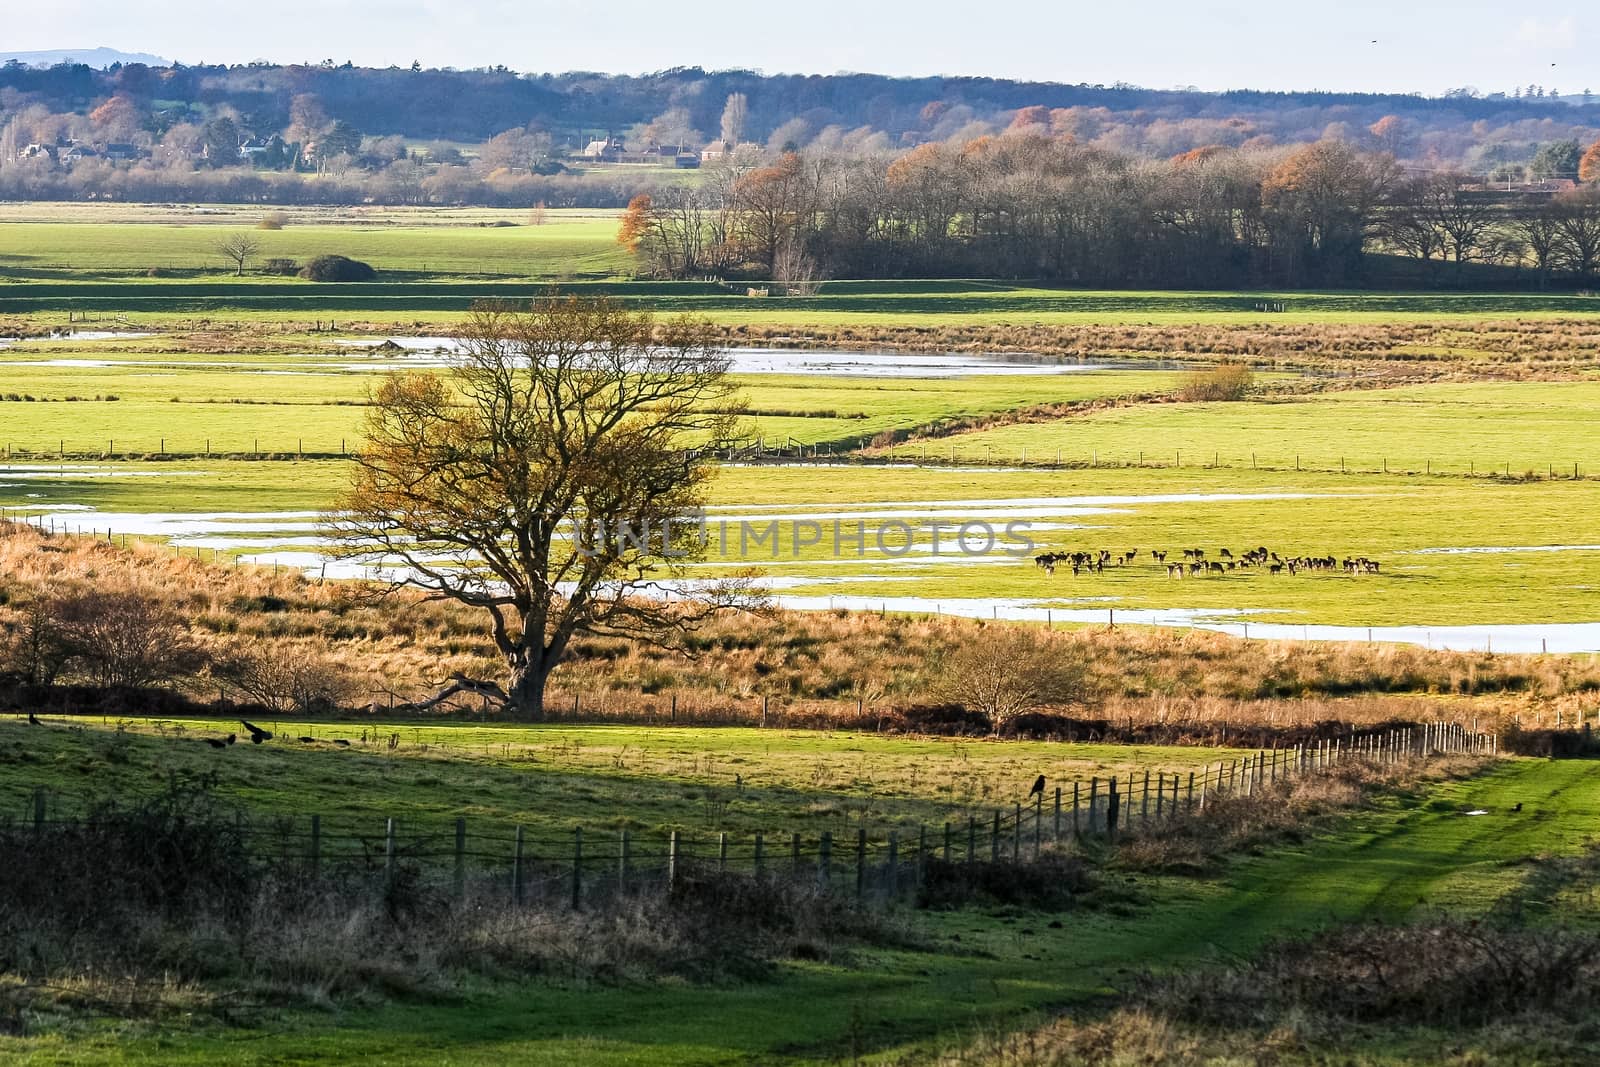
<point x="257" y="734"/>
<point x="1226" y="554"/>
<point x="1038" y="787"/>
<point x="33" y="720"/>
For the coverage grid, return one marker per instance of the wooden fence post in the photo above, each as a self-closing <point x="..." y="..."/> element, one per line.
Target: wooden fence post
<point x="1038" y="817"/>
<point x="673" y="844"/>
<point x="894" y="865"/>
<point x="516" y="869"/>
<point x="1189" y="807"/>
<point x="625" y="860"/>
<point x="1144" y="808"/>
<point x="577" y="867"/>
<point x="1016" y="836"/>
<point x="994" y="839"/>
<point x="1077" y="829"/>
<point x="388" y="852"/>
<point x="722" y="852"/>
<point x="1113" y="803"/>
<point x="1056" y="836"/>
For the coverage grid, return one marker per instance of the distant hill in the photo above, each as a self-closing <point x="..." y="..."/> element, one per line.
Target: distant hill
<point x="98" y="58"/>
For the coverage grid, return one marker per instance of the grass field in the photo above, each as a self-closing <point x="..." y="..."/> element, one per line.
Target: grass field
<point x="286" y="402"/>
<point x="565" y="246"/>
<point x="979" y="972"/>
<point x="1511" y="427"/>
<point x="1393" y="518"/>
<point x="602" y="778"/>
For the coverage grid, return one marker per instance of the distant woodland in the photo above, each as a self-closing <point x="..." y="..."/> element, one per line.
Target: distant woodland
<point x="800" y="177"/>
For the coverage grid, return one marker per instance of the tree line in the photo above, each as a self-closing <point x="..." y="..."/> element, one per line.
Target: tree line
<point x="1033" y="206"/>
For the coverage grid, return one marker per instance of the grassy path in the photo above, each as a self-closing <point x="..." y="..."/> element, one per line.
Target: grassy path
<point x="994" y="971"/>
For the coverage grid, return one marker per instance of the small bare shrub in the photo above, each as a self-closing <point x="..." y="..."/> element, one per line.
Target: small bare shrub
<point x="1226" y="381"/>
<point x="1006" y="671"/>
<point x="273" y="220"/>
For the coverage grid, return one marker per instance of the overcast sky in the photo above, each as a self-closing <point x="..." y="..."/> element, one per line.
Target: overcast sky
<point x="1375" y="45"/>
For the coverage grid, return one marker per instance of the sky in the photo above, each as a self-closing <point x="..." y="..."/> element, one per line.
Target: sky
<point x="1425" y="46"/>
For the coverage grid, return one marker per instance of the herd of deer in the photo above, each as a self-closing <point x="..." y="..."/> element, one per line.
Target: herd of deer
<point x="1195" y="562"/>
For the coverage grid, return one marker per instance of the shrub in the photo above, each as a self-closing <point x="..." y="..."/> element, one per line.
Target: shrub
<point x="1225" y="381"/>
<point x="337" y="269"/>
<point x="1002" y="672"/>
<point x="280" y="265"/>
<point x="274" y="220"/>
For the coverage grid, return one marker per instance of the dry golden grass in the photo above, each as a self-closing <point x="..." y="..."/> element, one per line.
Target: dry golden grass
<point x="809" y="669"/>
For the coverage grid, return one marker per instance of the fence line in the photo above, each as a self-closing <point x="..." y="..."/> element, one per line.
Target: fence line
<point x="579" y="865"/>
<point x="788" y="450"/>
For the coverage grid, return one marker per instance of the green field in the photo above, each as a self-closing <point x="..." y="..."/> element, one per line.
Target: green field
<point x="1510" y="427"/>
<point x="286" y="402"/>
<point x="529" y="254"/>
<point x="35" y="254"/>
<point x="979" y="970"/>
<point x="702" y="780"/>
<point x="1391" y="518"/>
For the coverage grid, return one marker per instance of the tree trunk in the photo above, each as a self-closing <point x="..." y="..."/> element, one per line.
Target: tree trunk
<point x="525" y="692"/>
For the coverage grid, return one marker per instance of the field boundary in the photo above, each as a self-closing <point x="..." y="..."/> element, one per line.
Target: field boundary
<point x="586" y="865"/>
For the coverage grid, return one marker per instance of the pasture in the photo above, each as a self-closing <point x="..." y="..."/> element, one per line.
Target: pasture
<point x="955" y="974"/>
<point x="1455" y="551"/>
<point x="556" y="778"/>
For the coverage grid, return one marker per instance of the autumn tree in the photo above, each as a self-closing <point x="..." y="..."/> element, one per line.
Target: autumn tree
<point x="1589" y="165"/>
<point x="1388" y="134"/>
<point x="117" y="119"/>
<point x="551" y="478"/>
<point x="1321" y="200"/>
<point x="771" y="203"/>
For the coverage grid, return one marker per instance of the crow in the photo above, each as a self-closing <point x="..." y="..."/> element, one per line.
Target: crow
<point x="1038" y="787"/>
<point x="33" y="720"/>
<point x="341" y="742"/>
<point x="309" y="740"/>
<point x="219" y="742"/>
<point x="257" y="734"/>
<point x="1517" y="806"/>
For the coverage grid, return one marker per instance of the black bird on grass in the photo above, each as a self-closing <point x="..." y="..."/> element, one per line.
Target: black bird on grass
<point x="1517" y="806"/>
<point x="257" y="734"/>
<point x="1038" y="787"/>
<point x="341" y="742"/>
<point x="309" y="740"/>
<point x="221" y="742"/>
<point x="33" y="720"/>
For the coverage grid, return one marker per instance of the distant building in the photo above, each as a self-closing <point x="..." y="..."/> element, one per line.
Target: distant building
<point x="608" y="150"/>
<point x="120" y="152"/>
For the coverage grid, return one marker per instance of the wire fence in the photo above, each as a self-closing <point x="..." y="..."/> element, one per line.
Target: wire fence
<point x="542" y="862"/>
<point x="282" y="445"/>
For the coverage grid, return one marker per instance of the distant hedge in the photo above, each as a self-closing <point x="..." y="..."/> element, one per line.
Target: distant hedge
<point x="337" y="269"/>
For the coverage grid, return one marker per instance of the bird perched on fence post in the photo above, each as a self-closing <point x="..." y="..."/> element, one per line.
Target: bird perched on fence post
<point x="1038" y="787"/>
<point x="257" y="734"/>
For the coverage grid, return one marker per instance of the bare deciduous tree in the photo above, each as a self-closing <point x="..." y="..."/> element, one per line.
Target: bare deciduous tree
<point x="552" y="478"/>
<point x="795" y="270"/>
<point x="237" y="248"/>
<point x="288" y="681"/>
